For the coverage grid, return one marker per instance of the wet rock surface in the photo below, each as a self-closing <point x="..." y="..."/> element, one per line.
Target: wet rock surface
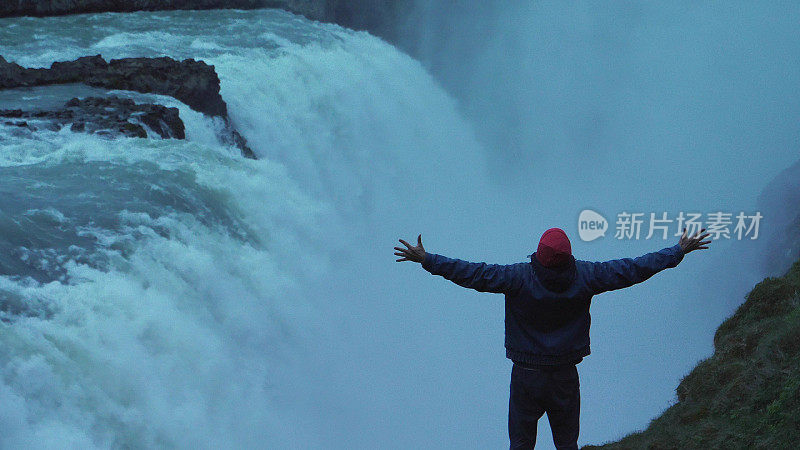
<point x="194" y="83"/>
<point x="313" y="9"/>
<point x="109" y="116"/>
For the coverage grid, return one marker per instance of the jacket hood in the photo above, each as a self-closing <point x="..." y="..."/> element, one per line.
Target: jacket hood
<point x="557" y="278"/>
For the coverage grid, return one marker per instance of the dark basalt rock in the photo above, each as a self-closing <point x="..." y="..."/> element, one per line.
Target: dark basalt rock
<point x="313" y="9"/>
<point x="238" y="141"/>
<point x="11" y="74"/>
<point x="110" y="116"/>
<point x="194" y="83"/>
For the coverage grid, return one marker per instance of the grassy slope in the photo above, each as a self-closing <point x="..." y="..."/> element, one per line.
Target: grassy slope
<point x="747" y="394"/>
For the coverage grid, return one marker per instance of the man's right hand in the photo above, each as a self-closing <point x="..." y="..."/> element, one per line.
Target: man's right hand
<point x="416" y="254"/>
<point x="696" y="242"/>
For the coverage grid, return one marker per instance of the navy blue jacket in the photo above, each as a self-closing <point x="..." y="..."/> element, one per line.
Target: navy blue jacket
<point x="547" y="311"/>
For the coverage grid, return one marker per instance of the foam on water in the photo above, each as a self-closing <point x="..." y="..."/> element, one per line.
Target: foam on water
<point x="173" y="294"/>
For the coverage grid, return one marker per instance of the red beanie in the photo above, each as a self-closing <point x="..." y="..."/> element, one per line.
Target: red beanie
<point x="554" y="248"/>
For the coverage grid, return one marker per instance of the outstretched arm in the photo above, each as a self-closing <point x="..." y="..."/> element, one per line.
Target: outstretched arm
<point x="479" y="276"/>
<point x="622" y="273"/>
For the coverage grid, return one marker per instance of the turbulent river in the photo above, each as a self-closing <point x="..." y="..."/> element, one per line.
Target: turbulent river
<point x="173" y="294"/>
<point x="166" y="293"/>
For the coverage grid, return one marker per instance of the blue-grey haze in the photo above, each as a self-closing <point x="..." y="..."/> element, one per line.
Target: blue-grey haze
<point x="172" y="294"/>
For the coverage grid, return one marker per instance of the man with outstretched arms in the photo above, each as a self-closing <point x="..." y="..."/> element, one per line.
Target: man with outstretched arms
<point x="547" y="320"/>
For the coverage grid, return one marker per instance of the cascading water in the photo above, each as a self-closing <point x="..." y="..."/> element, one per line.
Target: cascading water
<point x="638" y="107"/>
<point x="173" y="294"/>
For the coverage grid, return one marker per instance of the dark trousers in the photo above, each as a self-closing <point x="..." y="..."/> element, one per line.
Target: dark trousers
<point x="538" y="391"/>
